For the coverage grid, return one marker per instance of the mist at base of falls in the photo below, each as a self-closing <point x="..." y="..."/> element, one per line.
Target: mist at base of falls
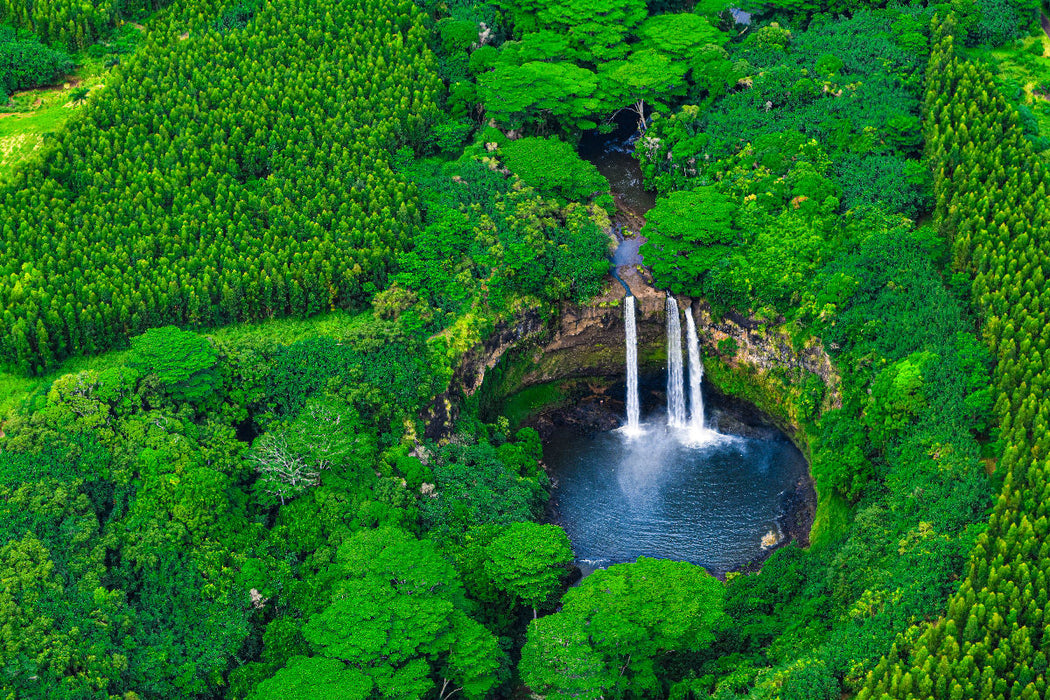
<point x="671" y="492"/>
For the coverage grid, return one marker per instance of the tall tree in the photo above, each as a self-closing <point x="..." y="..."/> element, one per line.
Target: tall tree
<point x="528" y="561"/>
<point x="615" y="626"/>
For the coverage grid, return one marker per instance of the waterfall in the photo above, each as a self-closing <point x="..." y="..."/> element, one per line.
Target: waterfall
<point x="633" y="412"/>
<point x="696" y="374"/>
<point x="675" y="380"/>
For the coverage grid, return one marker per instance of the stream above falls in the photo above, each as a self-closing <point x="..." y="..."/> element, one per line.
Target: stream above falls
<point x="611" y="154"/>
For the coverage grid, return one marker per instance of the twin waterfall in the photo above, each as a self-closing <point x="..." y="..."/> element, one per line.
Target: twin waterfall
<point x="675" y="382"/>
<point x="676" y="411"/>
<point x="633" y="411"/>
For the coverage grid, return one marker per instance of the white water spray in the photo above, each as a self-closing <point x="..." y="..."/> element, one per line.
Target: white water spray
<point x="633" y="410"/>
<point x="675" y="380"/>
<point x="696" y="374"/>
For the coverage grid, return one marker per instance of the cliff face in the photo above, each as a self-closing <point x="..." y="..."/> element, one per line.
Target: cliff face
<point x="588" y="341"/>
<point x="766" y="349"/>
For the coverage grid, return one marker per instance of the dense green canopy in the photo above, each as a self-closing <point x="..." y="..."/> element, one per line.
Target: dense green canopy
<point x="613" y="628"/>
<point x="331" y="506"/>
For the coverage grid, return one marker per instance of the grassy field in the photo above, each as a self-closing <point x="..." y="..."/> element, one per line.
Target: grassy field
<point x="285" y="331"/>
<point x="32" y="114"/>
<point x="1023" y="68"/>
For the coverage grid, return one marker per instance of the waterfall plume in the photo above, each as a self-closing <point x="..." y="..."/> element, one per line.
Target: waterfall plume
<point x="633" y="410"/>
<point x="675" y="379"/>
<point x="696" y="374"/>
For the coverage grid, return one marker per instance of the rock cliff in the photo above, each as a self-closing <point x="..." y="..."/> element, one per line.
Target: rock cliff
<point x="588" y="341"/>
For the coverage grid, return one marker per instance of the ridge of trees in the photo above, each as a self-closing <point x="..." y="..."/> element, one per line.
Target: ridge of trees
<point x="990" y="190"/>
<point x="225" y="175"/>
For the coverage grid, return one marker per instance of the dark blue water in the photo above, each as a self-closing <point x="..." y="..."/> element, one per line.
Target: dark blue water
<point x="704" y="498"/>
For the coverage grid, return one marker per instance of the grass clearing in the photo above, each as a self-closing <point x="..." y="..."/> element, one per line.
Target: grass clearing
<point x="1023" y="71"/>
<point x="285" y="331"/>
<point x="30" y="115"/>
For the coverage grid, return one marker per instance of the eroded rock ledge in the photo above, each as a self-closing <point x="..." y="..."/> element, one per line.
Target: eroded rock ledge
<point x="588" y="341"/>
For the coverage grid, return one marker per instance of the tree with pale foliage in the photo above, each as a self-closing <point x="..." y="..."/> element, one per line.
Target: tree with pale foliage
<point x="291" y="457"/>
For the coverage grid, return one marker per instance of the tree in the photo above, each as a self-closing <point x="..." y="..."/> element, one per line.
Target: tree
<point x="183" y="637"/>
<point x="315" y="678"/>
<point x="475" y="486"/>
<point x="897" y="397"/>
<point x="528" y="561"/>
<point x="679" y="36"/>
<point x="517" y="95"/>
<point x="690" y="233"/>
<point x="646" y="77"/>
<point x="291" y="457"/>
<point x="560" y="661"/>
<point x="553" y="166"/>
<point x="181" y="360"/>
<point x="614" y="626"/>
<point x="597" y="29"/>
<point x="27" y="63"/>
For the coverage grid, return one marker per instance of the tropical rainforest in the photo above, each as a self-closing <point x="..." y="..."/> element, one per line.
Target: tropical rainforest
<point x="239" y="280"/>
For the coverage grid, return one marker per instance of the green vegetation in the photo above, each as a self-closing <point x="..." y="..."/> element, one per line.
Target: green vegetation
<point x="26" y="63"/>
<point x="570" y="65"/>
<point x="398" y="615"/>
<point x="528" y="561"/>
<point x="552" y="166"/>
<point x="182" y="362"/>
<point x="73" y="24"/>
<point x="251" y="180"/>
<point x="489" y="240"/>
<point x="795" y="199"/>
<point x="616" y="628"/>
<point x="354" y="195"/>
<point x="1022" y="73"/>
<point x="34" y="116"/>
<point x="141" y="460"/>
<point x="992" y="640"/>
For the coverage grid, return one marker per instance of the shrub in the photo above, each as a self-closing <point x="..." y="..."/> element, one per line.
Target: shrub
<point x="553" y="167"/>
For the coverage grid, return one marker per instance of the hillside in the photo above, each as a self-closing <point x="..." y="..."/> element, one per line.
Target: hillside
<point x="303" y="300"/>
